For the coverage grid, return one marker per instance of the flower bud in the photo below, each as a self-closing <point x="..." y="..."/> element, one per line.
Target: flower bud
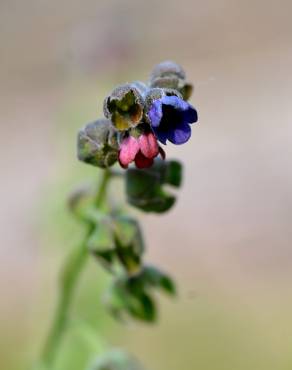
<point x="141" y="149"/>
<point x="97" y="144"/>
<point x="171" y="75"/>
<point x="125" y="106"/>
<point x="185" y="88"/>
<point x="167" y="69"/>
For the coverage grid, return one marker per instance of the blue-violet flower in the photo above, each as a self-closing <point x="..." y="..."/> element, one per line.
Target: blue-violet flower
<point x="170" y="118"/>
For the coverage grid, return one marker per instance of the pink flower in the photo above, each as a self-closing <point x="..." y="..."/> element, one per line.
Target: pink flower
<point x="142" y="150"/>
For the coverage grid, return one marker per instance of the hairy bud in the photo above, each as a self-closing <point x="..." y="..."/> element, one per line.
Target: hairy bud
<point x="171" y="75"/>
<point x="125" y="106"/>
<point x="97" y="144"/>
<point x="167" y="69"/>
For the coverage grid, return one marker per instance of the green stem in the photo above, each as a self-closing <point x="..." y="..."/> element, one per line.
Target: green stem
<point x="69" y="278"/>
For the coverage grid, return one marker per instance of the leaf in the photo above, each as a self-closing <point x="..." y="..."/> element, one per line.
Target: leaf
<point x="144" y="188"/>
<point x="143" y="307"/>
<point x="129" y="242"/>
<point x="123" y="301"/>
<point x="101" y="239"/>
<point x="155" y="278"/>
<point x="101" y="243"/>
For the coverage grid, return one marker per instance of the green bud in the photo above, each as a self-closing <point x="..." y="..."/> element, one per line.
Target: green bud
<point x="125" y="106"/>
<point x="97" y="144"/>
<point x="171" y="75"/>
<point x="173" y="82"/>
<point x="167" y="69"/>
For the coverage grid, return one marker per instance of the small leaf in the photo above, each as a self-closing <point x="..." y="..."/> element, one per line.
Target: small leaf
<point x="143" y="307"/>
<point x="101" y="239"/>
<point x="127" y="230"/>
<point x="173" y="173"/>
<point x="144" y="188"/>
<point x="101" y="244"/>
<point x="129" y="242"/>
<point x="122" y="300"/>
<point x="157" y="278"/>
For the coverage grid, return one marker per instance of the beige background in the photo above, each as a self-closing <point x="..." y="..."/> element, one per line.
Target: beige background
<point x="228" y="240"/>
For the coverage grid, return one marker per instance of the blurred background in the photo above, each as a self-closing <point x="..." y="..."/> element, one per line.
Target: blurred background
<point x="228" y="240"/>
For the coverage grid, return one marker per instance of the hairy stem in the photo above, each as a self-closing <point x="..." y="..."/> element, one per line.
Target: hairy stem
<point x="69" y="278"/>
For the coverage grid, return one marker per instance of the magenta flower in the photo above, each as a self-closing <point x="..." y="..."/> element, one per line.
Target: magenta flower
<point x="141" y="150"/>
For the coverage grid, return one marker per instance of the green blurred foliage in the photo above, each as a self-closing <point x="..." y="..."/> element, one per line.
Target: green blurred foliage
<point x="60" y="232"/>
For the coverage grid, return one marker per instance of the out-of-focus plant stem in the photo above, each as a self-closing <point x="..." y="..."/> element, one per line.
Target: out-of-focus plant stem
<point x="69" y="278"/>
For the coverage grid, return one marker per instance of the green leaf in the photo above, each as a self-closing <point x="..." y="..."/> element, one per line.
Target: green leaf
<point x="129" y="242"/>
<point x="156" y="278"/>
<point x="173" y="173"/>
<point x="122" y="301"/>
<point x="101" y="243"/>
<point x="144" y="188"/>
<point x="126" y="229"/>
<point x="101" y="239"/>
<point x="143" y="307"/>
<point x="133" y="295"/>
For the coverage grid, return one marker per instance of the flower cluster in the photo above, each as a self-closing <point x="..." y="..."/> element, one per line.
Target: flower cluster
<point x="138" y="117"/>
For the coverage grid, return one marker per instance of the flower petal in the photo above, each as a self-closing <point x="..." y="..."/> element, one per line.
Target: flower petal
<point x="148" y="145"/>
<point x="190" y="115"/>
<point x="175" y="102"/>
<point x="155" y="113"/>
<point x="128" y="150"/>
<point x="143" y="162"/>
<point x="161" y="135"/>
<point x="180" y="135"/>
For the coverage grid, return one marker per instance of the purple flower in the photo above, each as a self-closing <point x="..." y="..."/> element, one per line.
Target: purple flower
<point x="170" y="118"/>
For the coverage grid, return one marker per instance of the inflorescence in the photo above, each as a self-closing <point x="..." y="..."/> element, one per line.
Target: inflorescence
<point x="138" y="117"/>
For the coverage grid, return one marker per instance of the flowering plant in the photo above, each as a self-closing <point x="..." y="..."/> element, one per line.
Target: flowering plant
<point x="139" y="118"/>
